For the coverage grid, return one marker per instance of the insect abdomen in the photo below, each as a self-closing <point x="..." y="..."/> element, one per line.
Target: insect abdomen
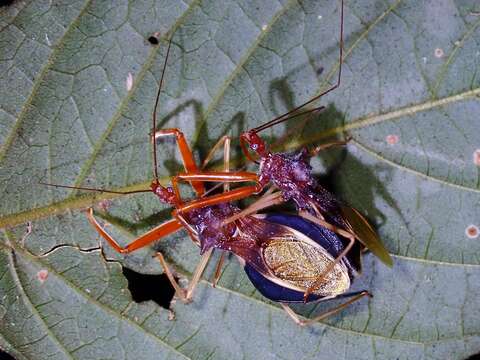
<point x="296" y="259"/>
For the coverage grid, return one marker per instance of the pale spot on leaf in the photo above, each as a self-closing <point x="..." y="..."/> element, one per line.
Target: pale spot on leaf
<point x="439" y="53"/>
<point x="391" y="139"/>
<point x="476" y="157"/>
<point x="129" y="82"/>
<point x="42" y="275"/>
<point x="472" y="231"/>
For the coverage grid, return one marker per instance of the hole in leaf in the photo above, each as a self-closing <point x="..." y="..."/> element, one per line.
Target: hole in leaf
<point x="474" y="357"/>
<point x="149" y="287"/>
<point x="153" y="39"/>
<point x="5" y="356"/>
<point x="5" y="3"/>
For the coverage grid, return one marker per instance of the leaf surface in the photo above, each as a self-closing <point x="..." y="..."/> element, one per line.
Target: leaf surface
<point x="409" y="99"/>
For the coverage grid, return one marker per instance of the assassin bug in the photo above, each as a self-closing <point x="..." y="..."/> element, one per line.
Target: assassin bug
<point x="287" y="257"/>
<point x="291" y="173"/>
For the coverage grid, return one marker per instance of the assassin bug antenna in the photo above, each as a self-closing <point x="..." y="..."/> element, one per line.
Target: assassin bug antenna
<point x="292" y="174"/>
<point x="155" y="171"/>
<point x="95" y="189"/>
<point x="251" y="137"/>
<point x="154" y="115"/>
<point x="285" y="116"/>
<point x="258" y="145"/>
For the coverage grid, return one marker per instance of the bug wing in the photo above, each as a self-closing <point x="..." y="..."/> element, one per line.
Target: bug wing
<point x="287" y="259"/>
<point x="366" y="234"/>
<point x="256" y="237"/>
<point x="252" y="234"/>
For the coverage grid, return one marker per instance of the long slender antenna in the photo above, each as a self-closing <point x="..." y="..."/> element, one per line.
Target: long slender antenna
<point x="97" y="190"/>
<point x="298" y="127"/>
<point x="272" y="123"/>
<point x="154" y="116"/>
<point x="285" y="117"/>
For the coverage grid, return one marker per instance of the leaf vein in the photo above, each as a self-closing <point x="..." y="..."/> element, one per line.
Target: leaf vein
<point x="39" y="80"/>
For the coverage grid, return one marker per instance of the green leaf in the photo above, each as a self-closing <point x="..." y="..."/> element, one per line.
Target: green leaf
<point x="409" y="99"/>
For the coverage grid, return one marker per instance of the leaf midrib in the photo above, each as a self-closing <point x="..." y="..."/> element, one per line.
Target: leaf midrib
<point x="87" y="200"/>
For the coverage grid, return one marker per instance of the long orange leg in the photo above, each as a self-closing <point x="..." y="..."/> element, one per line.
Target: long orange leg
<point x="225" y="140"/>
<point x="190" y="166"/>
<point x="186" y="153"/>
<point x="336" y="309"/>
<point x="217" y="176"/>
<point x="186" y="295"/>
<point x="156" y="233"/>
<point x="229" y="196"/>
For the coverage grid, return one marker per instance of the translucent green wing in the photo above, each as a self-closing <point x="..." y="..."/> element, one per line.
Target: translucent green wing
<point x="366" y="234"/>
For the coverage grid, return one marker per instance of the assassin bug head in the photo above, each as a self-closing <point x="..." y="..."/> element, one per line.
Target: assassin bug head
<point x="165" y="194"/>
<point x="251" y="137"/>
<point x="254" y="142"/>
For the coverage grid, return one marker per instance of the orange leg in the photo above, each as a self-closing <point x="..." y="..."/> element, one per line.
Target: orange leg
<point x="295" y="317"/>
<point x="156" y="233"/>
<point x="187" y="156"/>
<point x="225" y="140"/>
<point x="228" y="196"/>
<point x="216" y="176"/>
<point x="186" y="295"/>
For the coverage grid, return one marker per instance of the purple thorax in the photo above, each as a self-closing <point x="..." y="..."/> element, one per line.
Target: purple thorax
<point x="208" y="223"/>
<point x="292" y="174"/>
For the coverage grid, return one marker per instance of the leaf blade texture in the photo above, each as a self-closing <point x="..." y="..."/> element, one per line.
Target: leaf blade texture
<point x="78" y="85"/>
